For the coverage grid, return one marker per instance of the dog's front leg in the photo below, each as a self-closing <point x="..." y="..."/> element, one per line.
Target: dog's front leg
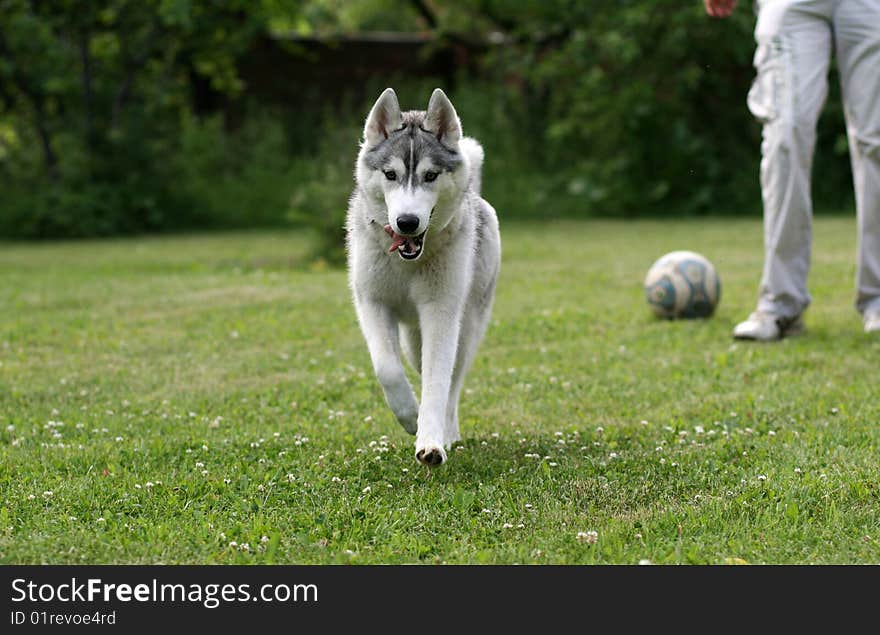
<point x="440" y="327"/>
<point x="381" y="332"/>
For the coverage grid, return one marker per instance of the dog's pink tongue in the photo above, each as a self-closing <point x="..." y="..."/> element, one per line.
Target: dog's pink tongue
<point x="397" y="240"/>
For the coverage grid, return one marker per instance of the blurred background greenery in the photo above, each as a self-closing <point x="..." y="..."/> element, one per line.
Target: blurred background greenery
<point x="131" y="116"/>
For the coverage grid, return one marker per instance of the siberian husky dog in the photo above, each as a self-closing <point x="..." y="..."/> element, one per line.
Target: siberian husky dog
<point x="423" y="258"/>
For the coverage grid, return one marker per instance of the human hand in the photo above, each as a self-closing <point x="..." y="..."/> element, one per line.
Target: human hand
<point x="719" y="8"/>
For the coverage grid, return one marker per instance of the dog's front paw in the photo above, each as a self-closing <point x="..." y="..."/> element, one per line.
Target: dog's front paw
<point x="431" y="454"/>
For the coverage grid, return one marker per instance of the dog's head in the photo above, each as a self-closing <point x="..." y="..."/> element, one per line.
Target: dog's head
<point x="410" y="165"/>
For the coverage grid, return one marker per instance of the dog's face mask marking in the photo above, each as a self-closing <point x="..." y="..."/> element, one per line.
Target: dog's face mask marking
<point x="411" y="159"/>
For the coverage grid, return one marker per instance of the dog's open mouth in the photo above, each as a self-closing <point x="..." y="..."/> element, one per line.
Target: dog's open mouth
<point x="407" y="247"/>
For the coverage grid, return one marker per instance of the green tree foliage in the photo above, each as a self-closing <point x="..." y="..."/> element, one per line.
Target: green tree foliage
<point x="585" y="107"/>
<point x="94" y="102"/>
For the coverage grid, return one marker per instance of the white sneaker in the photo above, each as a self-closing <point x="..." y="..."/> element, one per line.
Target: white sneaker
<point x="767" y="327"/>
<point x="872" y="322"/>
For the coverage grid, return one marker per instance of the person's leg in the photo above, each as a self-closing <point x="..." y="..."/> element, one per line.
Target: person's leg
<point x="857" y="39"/>
<point x="792" y="58"/>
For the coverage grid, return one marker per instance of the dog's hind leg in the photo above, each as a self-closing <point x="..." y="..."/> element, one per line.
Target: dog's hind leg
<point x="411" y="342"/>
<point x="381" y="332"/>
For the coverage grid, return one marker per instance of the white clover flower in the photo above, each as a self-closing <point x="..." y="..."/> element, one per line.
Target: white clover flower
<point x="199" y="464"/>
<point x="506" y="526"/>
<point x="486" y="511"/>
<point x="100" y="519"/>
<point x="244" y="546"/>
<point x="233" y="544"/>
<point x="137" y="486"/>
<point x="261" y="487"/>
<point x="552" y="464"/>
<point x="335" y="479"/>
<point x="148" y="484"/>
<point x="31" y="497"/>
<point x="645" y="561"/>
<point x="762" y="477"/>
<point x="264" y="539"/>
<point x="204" y="472"/>
<point x="589" y="537"/>
<point x="613" y="455"/>
<point x="367" y="490"/>
<point x="797" y="470"/>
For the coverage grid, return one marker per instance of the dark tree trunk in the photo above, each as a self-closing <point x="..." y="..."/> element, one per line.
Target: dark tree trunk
<point x="88" y="94"/>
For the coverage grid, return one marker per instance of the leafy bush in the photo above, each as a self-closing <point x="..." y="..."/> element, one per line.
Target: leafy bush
<point x="641" y="105"/>
<point x="584" y="108"/>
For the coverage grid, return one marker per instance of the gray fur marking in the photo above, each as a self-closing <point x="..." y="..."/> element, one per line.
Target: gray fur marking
<point x="411" y="143"/>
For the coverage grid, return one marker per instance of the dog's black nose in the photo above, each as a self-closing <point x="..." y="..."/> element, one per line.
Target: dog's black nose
<point x="407" y="223"/>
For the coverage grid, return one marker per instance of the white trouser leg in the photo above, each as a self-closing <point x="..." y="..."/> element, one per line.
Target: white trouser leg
<point x="857" y="38"/>
<point x="792" y="58"/>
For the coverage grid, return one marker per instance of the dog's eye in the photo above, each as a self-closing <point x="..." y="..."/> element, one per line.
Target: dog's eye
<point x="391" y="175"/>
<point x="430" y="176"/>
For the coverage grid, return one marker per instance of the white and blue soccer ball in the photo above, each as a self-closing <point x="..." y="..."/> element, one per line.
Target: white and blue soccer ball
<point x="683" y="284"/>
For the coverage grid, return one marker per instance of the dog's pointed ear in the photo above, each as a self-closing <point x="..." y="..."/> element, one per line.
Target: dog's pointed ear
<point x="442" y="119"/>
<point x="384" y="118"/>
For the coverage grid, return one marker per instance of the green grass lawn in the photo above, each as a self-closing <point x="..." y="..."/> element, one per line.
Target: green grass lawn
<point x="173" y="400"/>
